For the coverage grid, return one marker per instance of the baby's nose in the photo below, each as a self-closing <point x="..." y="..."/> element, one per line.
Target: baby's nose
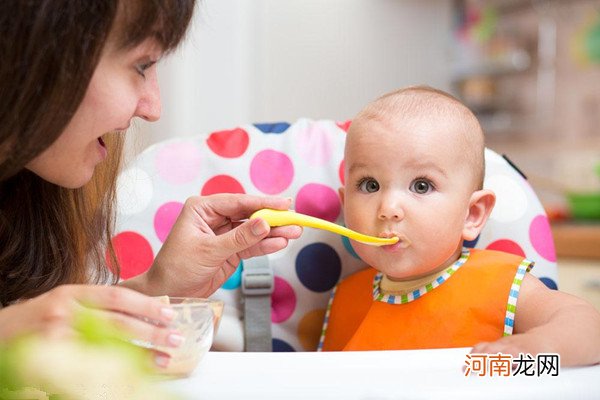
<point x="391" y="211"/>
<point x="391" y="215"/>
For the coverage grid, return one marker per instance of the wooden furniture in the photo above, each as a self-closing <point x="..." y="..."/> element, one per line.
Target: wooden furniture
<point x="577" y="240"/>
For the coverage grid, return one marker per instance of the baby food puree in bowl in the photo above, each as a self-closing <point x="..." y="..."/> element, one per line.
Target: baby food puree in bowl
<point x="197" y="320"/>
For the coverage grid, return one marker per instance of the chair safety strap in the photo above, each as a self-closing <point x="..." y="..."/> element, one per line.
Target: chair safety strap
<point x="257" y="286"/>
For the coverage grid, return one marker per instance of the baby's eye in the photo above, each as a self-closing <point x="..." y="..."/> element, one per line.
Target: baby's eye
<point x="421" y="186"/>
<point x="368" y="185"/>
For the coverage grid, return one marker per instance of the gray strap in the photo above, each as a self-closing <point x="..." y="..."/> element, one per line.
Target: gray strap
<point x="257" y="286"/>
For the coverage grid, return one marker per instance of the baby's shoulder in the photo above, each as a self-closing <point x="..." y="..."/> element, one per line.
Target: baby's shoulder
<point x="497" y="258"/>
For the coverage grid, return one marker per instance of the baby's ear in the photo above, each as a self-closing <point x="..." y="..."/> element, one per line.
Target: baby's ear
<point x="341" y="193"/>
<point x="480" y="207"/>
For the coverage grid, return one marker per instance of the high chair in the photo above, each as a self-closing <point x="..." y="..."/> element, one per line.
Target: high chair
<point x="284" y="295"/>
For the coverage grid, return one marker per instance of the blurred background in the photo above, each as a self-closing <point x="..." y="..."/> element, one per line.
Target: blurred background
<point x="529" y="69"/>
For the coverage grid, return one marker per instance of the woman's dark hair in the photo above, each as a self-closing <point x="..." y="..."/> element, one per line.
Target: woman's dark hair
<point x="51" y="235"/>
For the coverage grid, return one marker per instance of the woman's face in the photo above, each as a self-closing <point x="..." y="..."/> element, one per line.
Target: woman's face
<point x="124" y="85"/>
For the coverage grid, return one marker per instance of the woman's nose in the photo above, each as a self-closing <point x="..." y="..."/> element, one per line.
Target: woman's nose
<point x="149" y="106"/>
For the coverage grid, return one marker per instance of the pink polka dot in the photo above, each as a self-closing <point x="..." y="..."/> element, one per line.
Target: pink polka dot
<point x="315" y="145"/>
<point x="344" y="125"/>
<point x="165" y="218"/>
<point x="134" y="254"/>
<point x="283" y="301"/>
<point x="541" y="238"/>
<point x="507" y="246"/>
<point x="229" y="144"/>
<point x="319" y="201"/>
<point x="271" y="171"/>
<point x="221" y="184"/>
<point x="178" y="162"/>
<point x="341" y="172"/>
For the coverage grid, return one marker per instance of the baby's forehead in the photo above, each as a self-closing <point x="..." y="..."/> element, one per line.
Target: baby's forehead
<point x="422" y="128"/>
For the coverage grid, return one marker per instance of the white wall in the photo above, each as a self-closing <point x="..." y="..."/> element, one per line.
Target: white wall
<point x="277" y="60"/>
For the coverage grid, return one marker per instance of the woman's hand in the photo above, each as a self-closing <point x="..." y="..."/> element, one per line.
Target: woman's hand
<point x="207" y="243"/>
<point x="53" y="314"/>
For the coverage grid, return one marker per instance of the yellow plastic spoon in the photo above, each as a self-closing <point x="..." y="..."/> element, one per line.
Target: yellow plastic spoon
<point x="280" y="218"/>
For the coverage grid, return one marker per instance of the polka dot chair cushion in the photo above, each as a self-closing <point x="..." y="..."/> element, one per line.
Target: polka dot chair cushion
<point x="303" y="161"/>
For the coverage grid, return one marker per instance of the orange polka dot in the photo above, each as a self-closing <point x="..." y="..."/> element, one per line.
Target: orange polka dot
<point x="309" y="329"/>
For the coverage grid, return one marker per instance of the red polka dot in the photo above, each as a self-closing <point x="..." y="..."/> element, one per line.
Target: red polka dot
<point x="133" y="252"/>
<point x="341" y="172"/>
<point x="344" y="125"/>
<point x="221" y="184"/>
<point x="229" y="144"/>
<point x="507" y="246"/>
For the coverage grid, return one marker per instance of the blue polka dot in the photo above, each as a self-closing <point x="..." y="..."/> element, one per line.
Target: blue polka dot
<point x="276" y="127"/>
<point x="349" y="248"/>
<point x="234" y="280"/>
<point x="318" y="267"/>
<point x="549" y="282"/>
<point x="280" y="346"/>
<point x="470" y="244"/>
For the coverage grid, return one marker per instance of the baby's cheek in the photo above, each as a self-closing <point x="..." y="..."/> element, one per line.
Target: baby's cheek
<point x="368" y="254"/>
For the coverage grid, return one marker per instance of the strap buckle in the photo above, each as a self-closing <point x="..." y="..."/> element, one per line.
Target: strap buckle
<point x="257" y="278"/>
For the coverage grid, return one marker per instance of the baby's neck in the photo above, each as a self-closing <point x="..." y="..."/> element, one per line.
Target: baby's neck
<point x="398" y="286"/>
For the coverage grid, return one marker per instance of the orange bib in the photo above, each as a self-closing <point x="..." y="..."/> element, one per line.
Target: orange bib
<point x="469" y="307"/>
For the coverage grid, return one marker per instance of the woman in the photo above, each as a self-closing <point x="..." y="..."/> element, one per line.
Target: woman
<point x="73" y="75"/>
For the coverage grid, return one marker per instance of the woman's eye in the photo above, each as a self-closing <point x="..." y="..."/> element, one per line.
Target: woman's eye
<point x="421" y="186"/>
<point x="368" y="185"/>
<point x="141" y="68"/>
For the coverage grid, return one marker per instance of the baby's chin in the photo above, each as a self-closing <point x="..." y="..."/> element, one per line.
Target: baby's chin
<point x="405" y="271"/>
<point x="397" y="272"/>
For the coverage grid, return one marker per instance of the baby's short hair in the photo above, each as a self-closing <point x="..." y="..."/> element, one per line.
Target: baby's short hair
<point x="425" y="100"/>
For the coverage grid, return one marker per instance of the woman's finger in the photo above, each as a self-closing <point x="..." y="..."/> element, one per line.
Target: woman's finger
<point x="287" y="231"/>
<point x="124" y="300"/>
<point x="161" y="359"/>
<point x="239" y="239"/>
<point x="235" y="206"/>
<point x="265" y="246"/>
<point x="142" y="330"/>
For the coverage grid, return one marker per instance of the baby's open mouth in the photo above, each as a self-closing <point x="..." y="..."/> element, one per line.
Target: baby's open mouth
<point x="101" y="142"/>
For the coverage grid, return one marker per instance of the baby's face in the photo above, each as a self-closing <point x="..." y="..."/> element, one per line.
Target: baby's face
<point x="409" y="180"/>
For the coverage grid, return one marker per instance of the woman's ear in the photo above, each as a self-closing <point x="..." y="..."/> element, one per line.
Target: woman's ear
<point x="341" y="193"/>
<point x="480" y="207"/>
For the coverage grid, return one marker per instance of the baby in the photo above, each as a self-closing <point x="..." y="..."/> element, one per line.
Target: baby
<point x="414" y="168"/>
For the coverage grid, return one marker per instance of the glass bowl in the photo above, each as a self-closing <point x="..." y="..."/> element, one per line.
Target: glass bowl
<point x="197" y="320"/>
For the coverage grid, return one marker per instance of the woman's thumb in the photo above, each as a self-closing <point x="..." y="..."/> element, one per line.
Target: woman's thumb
<point x="246" y="235"/>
